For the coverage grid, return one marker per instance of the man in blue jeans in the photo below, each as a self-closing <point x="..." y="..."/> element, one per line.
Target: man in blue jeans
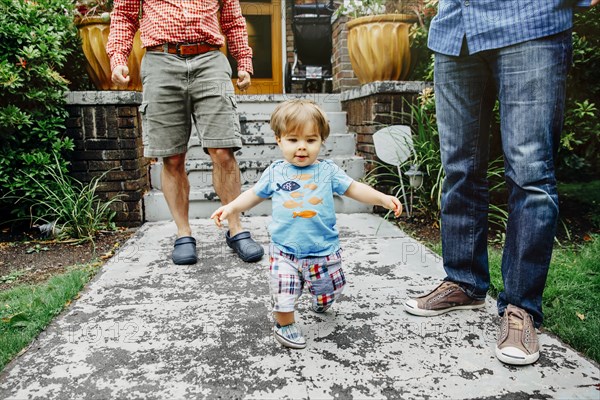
<point x="518" y="52"/>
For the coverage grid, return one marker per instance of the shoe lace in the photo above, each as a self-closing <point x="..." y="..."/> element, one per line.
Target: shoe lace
<point x="517" y="322"/>
<point x="450" y="287"/>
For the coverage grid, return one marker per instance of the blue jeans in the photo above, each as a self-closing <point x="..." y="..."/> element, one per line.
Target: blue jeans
<point x="529" y="80"/>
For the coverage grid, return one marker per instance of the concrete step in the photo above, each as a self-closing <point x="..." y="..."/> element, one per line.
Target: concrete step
<point x="255" y="128"/>
<point x="267" y="103"/>
<point x="200" y="171"/>
<point x="255" y="122"/>
<point x="256" y="147"/>
<point x="203" y="202"/>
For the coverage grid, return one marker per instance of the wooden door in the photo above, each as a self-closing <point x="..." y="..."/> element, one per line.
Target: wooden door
<point x="263" y="20"/>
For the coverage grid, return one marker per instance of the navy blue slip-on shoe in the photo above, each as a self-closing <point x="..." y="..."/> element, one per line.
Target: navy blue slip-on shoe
<point x="245" y="246"/>
<point x="184" y="252"/>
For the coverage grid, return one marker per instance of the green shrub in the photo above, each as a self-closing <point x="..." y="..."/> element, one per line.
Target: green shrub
<point x="580" y="143"/>
<point x="36" y="39"/>
<point x="69" y="209"/>
<point x="421" y="56"/>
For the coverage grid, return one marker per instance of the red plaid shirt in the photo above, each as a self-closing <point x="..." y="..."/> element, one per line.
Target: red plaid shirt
<point x="178" y="21"/>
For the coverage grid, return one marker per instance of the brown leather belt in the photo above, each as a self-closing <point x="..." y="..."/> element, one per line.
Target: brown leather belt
<point x="184" y="49"/>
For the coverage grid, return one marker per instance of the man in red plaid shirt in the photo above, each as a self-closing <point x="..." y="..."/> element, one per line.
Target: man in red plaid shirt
<point x="187" y="80"/>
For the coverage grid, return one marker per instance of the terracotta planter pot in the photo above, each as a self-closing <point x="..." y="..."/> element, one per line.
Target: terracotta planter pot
<point x="94" y="36"/>
<point x="378" y="46"/>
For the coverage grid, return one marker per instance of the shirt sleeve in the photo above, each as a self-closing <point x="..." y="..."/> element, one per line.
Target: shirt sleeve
<point x="233" y="25"/>
<point x="124" y="23"/>
<point x="340" y="181"/>
<point x="263" y="187"/>
<point x="583" y="3"/>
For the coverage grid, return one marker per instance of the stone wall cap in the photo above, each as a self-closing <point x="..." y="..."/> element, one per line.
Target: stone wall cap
<point x="385" y="87"/>
<point x="104" y="97"/>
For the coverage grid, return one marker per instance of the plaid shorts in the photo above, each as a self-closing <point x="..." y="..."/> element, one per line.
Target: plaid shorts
<point x="323" y="277"/>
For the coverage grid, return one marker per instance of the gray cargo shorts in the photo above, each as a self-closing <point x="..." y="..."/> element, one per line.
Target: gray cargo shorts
<point x="179" y="90"/>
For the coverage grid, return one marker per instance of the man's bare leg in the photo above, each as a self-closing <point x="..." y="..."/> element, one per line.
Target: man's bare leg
<point x="227" y="182"/>
<point x="176" y="188"/>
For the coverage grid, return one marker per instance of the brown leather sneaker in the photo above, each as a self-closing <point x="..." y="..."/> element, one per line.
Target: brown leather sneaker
<point x="448" y="296"/>
<point x="517" y="340"/>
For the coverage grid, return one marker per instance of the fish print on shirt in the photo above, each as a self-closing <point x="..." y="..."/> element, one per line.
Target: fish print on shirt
<point x="291" y="204"/>
<point x="296" y="195"/>
<point x="288" y="186"/>
<point x="315" y="200"/>
<point x="310" y="186"/>
<point x="304" y="214"/>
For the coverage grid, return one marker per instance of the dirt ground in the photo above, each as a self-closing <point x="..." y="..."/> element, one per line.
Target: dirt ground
<point x="26" y="259"/>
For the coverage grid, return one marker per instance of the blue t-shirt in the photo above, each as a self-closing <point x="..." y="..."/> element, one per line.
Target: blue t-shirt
<point x="303" y="212"/>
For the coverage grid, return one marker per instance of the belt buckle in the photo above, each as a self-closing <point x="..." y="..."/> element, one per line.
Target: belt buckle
<point x="178" y="48"/>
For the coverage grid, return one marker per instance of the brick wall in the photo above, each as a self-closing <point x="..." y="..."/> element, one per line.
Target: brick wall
<point x="107" y="131"/>
<point x="343" y="76"/>
<point x="375" y="105"/>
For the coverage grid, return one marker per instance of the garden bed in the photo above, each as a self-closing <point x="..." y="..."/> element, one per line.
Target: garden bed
<point x="27" y="259"/>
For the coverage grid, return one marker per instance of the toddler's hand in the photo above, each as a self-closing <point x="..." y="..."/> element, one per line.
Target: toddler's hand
<point x="392" y="203"/>
<point x="219" y="215"/>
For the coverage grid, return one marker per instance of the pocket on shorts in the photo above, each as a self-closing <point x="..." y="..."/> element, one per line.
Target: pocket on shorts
<point x="338" y="280"/>
<point x="143" y="108"/>
<point x="233" y="102"/>
<point x="235" y="117"/>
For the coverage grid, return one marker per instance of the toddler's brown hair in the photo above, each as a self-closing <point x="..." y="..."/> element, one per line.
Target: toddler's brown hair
<point x="291" y="115"/>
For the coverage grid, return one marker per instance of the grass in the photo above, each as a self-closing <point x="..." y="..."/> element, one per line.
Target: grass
<point x="26" y="310"/>
<point x="571" y="296"/>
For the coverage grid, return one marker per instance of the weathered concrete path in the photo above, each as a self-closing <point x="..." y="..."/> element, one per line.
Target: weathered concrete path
<point x="148" y="329"/>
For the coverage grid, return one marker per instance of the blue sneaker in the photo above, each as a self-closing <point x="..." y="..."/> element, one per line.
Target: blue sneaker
<point x="289" y="336"/>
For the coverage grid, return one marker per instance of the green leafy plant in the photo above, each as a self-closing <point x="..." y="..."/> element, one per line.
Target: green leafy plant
<point x="71" y="208"/>
<point x="580" y="140"/>
<point x="85" y="9"/>
<point x="578" y="153"/>
<point x="36" y="40"/>
<point x="421" y="55"/>
<point x="36" y="248"/>
<point x="12" y="277"/>
<point x="361" y="8"/>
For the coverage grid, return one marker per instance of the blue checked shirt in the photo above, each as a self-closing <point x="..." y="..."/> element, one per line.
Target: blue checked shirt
<point x="492" y="24"/>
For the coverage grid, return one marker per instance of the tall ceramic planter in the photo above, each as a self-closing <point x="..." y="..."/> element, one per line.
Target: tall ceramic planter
<point x="94" y="36"/>
<point x="378" y="47"/>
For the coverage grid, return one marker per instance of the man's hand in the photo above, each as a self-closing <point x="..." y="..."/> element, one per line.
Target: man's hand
<point x="120" y="75"/>
<point x="243" y="81"/>
<point x="594" y="2"/>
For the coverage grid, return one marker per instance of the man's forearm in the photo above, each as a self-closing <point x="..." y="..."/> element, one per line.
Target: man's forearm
<point x="124" y="24"/>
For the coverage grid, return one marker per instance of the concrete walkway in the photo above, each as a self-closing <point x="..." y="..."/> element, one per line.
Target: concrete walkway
<point x="147" y="329"/>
